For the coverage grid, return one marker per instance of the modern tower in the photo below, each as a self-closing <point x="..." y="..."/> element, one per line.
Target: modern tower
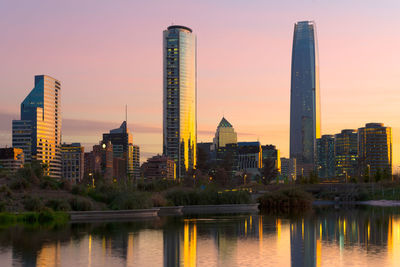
<point x="179" y="100"/>
<point x="122" y="143"/>
<point x="38" y="132"/>
<point x="304" y="96"/>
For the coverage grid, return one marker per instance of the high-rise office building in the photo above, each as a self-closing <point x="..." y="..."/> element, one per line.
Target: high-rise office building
<point x="122" y="147"/>
<point x="375" y="148"/>
<point x="304" y="97"/>
<point x="326" y="156"/>
<point x="346" y="153"/>
<point x="38" y="132"/>
<point x="225" y="134"/>
<point x="179" y="100"/>
<point x="136" y="161"/>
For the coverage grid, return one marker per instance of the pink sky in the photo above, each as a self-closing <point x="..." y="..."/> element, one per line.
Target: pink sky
<point x="109" y="53"/>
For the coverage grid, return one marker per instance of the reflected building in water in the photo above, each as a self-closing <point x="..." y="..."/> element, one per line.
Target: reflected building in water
<point x="303" y="243"/>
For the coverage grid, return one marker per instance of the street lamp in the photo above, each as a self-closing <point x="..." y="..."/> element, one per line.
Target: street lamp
<point x="92" y="178"/>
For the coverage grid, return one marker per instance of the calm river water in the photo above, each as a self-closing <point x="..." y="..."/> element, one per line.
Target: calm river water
<point x="324" y="237"/>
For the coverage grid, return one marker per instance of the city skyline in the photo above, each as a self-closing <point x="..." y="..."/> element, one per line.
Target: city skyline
<point x="266" y="97"/>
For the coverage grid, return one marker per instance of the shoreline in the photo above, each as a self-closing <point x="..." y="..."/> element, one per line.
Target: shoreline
<point x="375" y="203"/>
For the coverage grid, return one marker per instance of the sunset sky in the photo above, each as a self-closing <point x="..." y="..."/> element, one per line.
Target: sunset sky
<point x="109" y="53"/>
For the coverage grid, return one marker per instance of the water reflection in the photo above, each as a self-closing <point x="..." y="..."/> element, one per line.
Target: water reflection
<point x="325" y="237"/>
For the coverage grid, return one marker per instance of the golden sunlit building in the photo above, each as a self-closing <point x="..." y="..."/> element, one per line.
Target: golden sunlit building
<point x="38" y="132"/>
<point x="225" y="134"/>
<point x="179" y="101"/>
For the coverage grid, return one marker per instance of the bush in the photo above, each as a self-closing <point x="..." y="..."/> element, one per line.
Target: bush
<point x="3" y="205"/>
<point x="133" y="200"/>
<point x="33" y="204"/>
<point x="285" y="200"/>
<point x="158" y="200"/>
<point x="19" y="184"/>
<point x="5" y="189"/>
<point x="45" y="216"/>
<point x="66" y="185"/>
<point x="80" y="204"/>
<point x="49" y="183"/>
<point x="79" y="190"/>
<point x="58" y="205"/>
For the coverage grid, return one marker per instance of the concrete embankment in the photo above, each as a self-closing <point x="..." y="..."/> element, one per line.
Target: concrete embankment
<point x="221" y="209"/>
<point x="104" y="215"/>
<point x="126" y="215"/>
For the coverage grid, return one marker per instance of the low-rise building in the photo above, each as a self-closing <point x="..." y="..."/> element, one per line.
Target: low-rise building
<point x="288" y="169"/>
<point x="72" y="162"/>
<point x="11" y="158"/>
<point x="158" y="168"/>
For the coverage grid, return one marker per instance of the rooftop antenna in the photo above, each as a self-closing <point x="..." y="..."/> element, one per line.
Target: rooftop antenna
<point x="126" y="113"/>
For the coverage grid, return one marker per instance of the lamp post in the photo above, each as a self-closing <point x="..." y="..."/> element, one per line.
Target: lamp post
<point x="92" y="178"/>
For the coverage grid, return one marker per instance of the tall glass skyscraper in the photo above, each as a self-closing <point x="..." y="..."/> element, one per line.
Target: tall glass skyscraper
<point x="38" y="132"/>
<point x="304" y="96"/>
<point x="180" y="90"/>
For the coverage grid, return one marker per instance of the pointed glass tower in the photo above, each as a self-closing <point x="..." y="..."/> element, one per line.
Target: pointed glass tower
<point x="304" y="97"/>
<point x="225" y="134"/>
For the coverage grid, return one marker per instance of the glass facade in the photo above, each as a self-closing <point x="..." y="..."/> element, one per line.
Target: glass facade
<point x="346" y="153"/>
<point x="122" y="143"/>
<point x="41" y="117"/>
<point x="179" y="101"/>
<point x="326" y="156"/>
<point x="304" y="99"/>
<point x="375" y="148"/>
<point x="224" y="135"/>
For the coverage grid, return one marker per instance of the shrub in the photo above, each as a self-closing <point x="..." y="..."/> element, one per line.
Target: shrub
<point x="58" y="205"/>
<point x="49" y="183"/>
<point x="33" y="204"/>
<point x="133" y="200"/>
<point x="5" y="189"/>
<point x="158" y="200"/>
<point x="45" y="216"/>
<point x="3" y="205"/>
<point x="66" y="185"/>
<point x="79" y="190"/>
<point x="80" y="204"/>
<point x="182" y="197"/>
<point x="285" y="200"/>
<point x="19" y="184"/>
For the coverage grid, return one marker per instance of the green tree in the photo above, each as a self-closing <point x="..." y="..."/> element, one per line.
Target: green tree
<point x="270" y="172"/>
<point x="202" y="160"/>
<point x="313" y="177"/>
<point x="378" y="175"/>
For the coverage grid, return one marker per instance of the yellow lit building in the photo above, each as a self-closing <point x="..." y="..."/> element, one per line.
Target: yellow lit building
<point x="180" y="101"/>
<point x="38" y="132"/>
<point x="225" y="134"/>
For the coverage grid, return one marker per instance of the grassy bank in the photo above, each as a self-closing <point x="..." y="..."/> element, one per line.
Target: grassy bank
<point x="47" y="218"/>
